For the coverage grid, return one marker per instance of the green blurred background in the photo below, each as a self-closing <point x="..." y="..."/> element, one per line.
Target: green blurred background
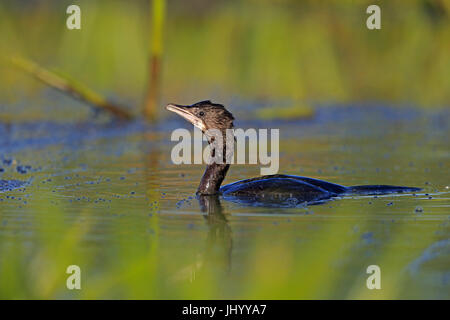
<point x="305" y="52"/>
<point x="291" y="56"/>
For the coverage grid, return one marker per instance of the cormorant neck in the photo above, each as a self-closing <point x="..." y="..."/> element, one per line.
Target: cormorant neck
<point x="215" y="172"/>
<point x="212" y="178"/>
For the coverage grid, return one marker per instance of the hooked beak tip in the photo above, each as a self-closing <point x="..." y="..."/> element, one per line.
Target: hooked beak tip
<point x="170" y="107"/>
<point x="186" y="114"/>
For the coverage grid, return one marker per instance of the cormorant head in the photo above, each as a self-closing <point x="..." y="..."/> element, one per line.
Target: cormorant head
<point x="205" y="115"/>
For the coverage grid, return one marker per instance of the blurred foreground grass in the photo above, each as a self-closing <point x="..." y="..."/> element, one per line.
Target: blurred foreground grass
<point x="302" y="51"/>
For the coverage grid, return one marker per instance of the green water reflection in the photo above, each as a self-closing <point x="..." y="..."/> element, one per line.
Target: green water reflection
<point x="116" y="206"/>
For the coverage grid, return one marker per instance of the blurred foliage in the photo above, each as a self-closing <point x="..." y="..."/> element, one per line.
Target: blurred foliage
<point x="265" y="50"/>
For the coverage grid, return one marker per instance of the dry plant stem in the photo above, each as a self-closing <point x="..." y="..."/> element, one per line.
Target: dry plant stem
<point x="153" y="89"/>
<point x="70" y="87"/>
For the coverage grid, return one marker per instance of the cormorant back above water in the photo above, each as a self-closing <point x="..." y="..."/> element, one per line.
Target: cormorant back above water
<point x="271" y="190"/>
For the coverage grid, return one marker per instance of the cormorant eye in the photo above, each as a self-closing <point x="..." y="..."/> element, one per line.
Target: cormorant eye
<point x="201" y="113"/>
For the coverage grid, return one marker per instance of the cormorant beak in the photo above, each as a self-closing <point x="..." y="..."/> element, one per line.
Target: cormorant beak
<point x="185" y="112"/>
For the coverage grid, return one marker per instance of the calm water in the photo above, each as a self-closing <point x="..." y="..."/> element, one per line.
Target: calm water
<point x="109" y="199"/>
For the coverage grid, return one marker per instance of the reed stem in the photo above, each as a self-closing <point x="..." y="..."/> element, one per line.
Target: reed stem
<point x="70" y="87"/>
<point x="158" y="8"/>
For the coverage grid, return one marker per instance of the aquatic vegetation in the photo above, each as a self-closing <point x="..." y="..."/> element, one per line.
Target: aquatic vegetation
<point x="155" y="59"/>
<point x="70" y="87"/>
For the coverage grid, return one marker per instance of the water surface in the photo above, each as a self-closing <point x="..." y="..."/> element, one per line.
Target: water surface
<point x="107" y="197"/>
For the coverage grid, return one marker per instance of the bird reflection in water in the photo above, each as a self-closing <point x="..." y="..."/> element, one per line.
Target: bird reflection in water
<point x="219" y="241"/>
